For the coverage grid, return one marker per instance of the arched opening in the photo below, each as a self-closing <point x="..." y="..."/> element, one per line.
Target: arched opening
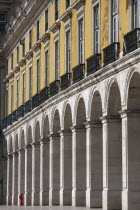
<point x="66" y="198"/>
<point x="16" y="172"/>
<point x="114" y="147"/>
<point x="28" y="171"/>
<point x="22" y="165"/>
<point x="96" y="148"/>
<point x="36" y="167"/>
<point x="10" y="170"/>
<point x="133" y="135"/>
<point x="45" y="153"/>
<point x="55" y="147"/>
<point x="79" y="157"/>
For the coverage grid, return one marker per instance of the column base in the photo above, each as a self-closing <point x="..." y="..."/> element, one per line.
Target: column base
<point x="112" y="200"/>
<point x="54" y="197"/>
<point x="130" y="200"/>
<point x="44" y="198"/>
<point x="93" y="198"/>
<point x="65" y="197"/>
<point x="35" y="198"/>
<point x="27" y="199"/>
<point x="78" y="197"/>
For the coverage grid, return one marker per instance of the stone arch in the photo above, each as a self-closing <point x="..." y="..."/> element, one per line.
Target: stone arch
<point x="37" y="131"/>
<point x="56" y="121"/>
<point x="22" y="139"/>
<point x="114" y="147"/>
<point x="10" y="149"/>
<point x="29" y="135"/>
<point x="46" y="127"/>
<point x="80" y="111"/>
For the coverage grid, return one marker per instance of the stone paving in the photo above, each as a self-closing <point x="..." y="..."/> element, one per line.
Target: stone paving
<point x="44" y="208"/>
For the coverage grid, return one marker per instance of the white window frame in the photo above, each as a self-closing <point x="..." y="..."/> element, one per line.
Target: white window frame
<point x="37" y="76"/>
<point x="17" y="92"/>
<point x="30" y="82"/>
<point x="94" y="5"/>
<point x="67" y="70"/>
<point x="23" y="87"/>
<point x="46" y="82"/>
<point x="58" y="9"/>
<point x="6" y="102"/>
<point x="66" y="5"/>
<point x="55" y="78"/>
<point x="131" y="13"/>
<point x="37" y="38"/>
<point x="110" y="22"/>
<point x="12" y="95"/>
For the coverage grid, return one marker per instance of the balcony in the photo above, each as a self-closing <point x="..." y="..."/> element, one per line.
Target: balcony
<point x="111" y="53"/>
<point x="4" y="123"/>
<point x="15" y="116"/>
<point x="9" y="119"/>
<point x="78" y="73"/>
<point x="93" y="64"/>
<point x="65" y="81"/>
<point x="35" y="100"/>
<point x="21" y="111"/>
<point x="54" y="87"/>
<point x="131" y="41"/>
<point x="43" y="95"/>
<point x="28" y="106"/>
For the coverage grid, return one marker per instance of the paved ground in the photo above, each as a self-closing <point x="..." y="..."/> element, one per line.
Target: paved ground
<point x="43" y="208"/>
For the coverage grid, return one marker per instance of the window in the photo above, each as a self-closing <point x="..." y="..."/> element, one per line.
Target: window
<point x="67" y="4"/>
<point x="46" y="68"/>
<point x="12" y="61"/>
<point x="23" y="88"/>
<point x="81" y="41"/>
<point x="46" y="20"/>
<point x="17" y="54"/>
<point x="30" y="83"/>
<point x="114" y="21"/>
<point x="134" y="14"/>
<point x="68" y="51"/>
<point x="17" y="93"/>
<point x="56" y="60"/>
<point x="30" y="39"/>
<point x="56" y="9"/>
<point x="38" y="30"/>
<point x="38" y="75"/>
<point x="23" y="47"/>
<point x="12" y="98"/>
<point x="3" y="21"/>
<point x="6" y="103"/>
<point x="96" y="29"/>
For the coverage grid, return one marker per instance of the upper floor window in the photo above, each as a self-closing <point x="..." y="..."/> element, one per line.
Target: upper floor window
<point x="3" y="21"/>
<point x="114" y="21"/>
<point x="12" y="61"/>
<point x="12" y="91"/>
<point x="56" y="9"/>
<point x="30" y="39"/>
<point x="17" y="93"/>
<point x="30" y="83"/>
<point x="81" y="41"/>
<point x="38" y="30"/>
<point x="6" y="103"/>
<point x="67" y="4"/>
<point x="56" y="60"/>
<point x="38" y="75"/>
<point x="46" y="20"/>
<point x="23" y="47"/>
<point x="17" y="54"/>
<point x="96" y="29"/>
<point x="23" y="88"/>
<point x="46" y="68"/>
<point x="68" y="51"/>
<point x="134" y="14"/>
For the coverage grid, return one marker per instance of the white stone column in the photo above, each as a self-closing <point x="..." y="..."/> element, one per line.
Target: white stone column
<point x="9" y="180"/>
<point x="44" y="171"/>
<point x="28" y="175"/>
<point x="19" y="175"/>
<point x="15" y="178"/>
<point x="131" y="159"/>
<point x="94" y="174"/>
<point x="54" y="197"/>
<point x="78" y="166"/>
<point x="65" y="167"/>
<point x="36" y="174"/>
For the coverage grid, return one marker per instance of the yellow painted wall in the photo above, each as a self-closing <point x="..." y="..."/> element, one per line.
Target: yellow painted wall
<point x="104" y="41"/>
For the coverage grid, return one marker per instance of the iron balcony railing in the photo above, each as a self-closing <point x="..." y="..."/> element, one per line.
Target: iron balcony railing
<point x="4" y="123"/>
<point x="9" y="120"/>
<point x="65" y="80"/>
<point x="131" y="41"/>
<point x="54" y="87"/>
<point x="15" y="115"/>
<point x="35" y="100"/>
<point x="43" y="95"/>
<point x="28" y="106"/>
<point x="111" y="53"/>
<point x="93" y="63"/>
<point x="78" y="73"/>
<point x="21" y="111"/>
